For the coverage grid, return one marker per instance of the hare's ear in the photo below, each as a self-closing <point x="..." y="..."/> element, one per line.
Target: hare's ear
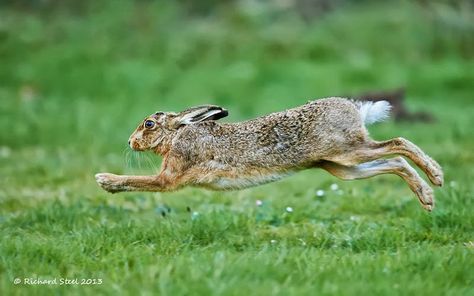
<point x="200" y="113"/>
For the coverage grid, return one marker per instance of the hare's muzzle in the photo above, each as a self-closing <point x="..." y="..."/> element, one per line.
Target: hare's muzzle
<point x="135" y="145"/>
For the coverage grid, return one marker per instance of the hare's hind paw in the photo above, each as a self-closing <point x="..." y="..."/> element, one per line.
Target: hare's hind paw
<point x="426" y="196"/>
<point x="435" y="173"/>
<point x="109" y="182"/>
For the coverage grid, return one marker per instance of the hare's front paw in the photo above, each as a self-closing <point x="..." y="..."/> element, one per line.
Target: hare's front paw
<point x="109" y="182"/>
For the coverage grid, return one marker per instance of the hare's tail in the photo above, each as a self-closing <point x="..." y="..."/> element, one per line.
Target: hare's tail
<point x="371" y="112"/>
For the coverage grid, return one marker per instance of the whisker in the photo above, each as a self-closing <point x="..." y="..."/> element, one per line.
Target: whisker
<point x="135" y="160"/>
<point x="140" y="157"/>
<point x="151" y="163"/>
<point x="126" y="156"/>
<point x="132" y="161"/>
<point x="129" y="160"/>
<point x="145" y="157"/>
<point x="138" y="164"/>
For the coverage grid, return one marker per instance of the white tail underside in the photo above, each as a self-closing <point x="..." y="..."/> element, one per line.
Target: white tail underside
<point x="371" y="112"/>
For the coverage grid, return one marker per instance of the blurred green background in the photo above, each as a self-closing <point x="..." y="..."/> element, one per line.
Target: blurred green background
<point x="74" y="70"/>
<point x="76" y="77"/>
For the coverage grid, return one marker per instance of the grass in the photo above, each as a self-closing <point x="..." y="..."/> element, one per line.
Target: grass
<point x="73" y="86"/>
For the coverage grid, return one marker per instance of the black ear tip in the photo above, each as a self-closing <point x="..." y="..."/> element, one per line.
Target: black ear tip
<point x="222" y="113"/>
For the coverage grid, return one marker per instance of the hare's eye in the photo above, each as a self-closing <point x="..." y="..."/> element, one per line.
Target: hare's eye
<point x="149" y="124"/>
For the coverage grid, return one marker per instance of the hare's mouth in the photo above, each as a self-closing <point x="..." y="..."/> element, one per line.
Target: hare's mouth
<point x="135" y="146"/>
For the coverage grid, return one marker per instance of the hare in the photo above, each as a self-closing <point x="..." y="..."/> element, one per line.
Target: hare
<point x="328" y="133"/>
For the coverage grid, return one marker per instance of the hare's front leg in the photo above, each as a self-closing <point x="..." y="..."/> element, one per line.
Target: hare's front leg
<point x="118" y="183"/>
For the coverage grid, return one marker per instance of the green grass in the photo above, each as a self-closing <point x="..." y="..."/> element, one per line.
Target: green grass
<point x="73" y="86"/>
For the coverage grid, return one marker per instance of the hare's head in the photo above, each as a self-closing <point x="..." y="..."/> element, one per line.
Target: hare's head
<point x="160" y="127"/>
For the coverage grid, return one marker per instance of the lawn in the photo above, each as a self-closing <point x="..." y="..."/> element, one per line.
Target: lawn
<point x="75" y="80"/>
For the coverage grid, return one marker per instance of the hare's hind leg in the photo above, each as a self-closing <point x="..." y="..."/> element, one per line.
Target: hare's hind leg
<point x="372" y="150"/>
<point x="397" y="166"/>
<point x="406" y="148"/>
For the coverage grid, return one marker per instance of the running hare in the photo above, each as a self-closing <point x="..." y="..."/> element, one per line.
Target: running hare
<point x="328" y="133"/>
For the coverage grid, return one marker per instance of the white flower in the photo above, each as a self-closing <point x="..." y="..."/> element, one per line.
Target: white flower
<point x="289" y="209"/>
<point x="334" y="187"/>
<point x="258" y="202"/>
<point x="273" y="241"/>
<point x="320" y="193"/>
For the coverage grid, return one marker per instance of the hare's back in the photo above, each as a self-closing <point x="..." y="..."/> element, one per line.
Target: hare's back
<point x="295" y="137"/>
<point x="283" y="140"/>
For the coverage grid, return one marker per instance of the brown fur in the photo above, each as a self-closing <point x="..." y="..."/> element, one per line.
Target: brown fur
<point x="327" y="133"/>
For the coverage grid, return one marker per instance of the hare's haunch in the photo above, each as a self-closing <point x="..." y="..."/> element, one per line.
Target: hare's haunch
<point x="328" y="133"/>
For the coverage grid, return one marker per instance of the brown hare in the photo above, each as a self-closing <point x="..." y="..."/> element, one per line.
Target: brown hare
<point x="327" y="133"/>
